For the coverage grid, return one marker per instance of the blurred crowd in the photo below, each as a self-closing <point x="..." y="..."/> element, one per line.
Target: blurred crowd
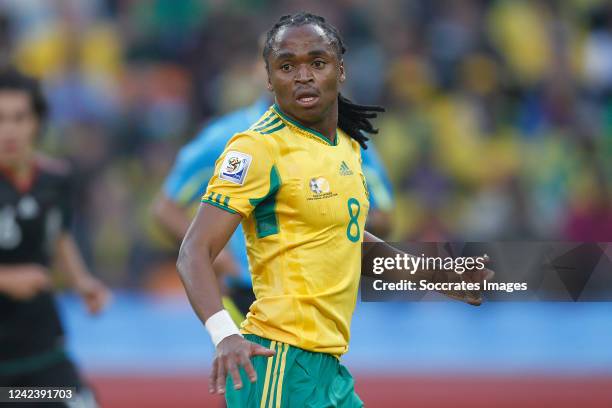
<point x="498" y="123"/>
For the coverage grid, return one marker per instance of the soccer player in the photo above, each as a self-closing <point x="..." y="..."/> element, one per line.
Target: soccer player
<point x="186" y="184"/>
<point x="35" y="217"/>
<point x="294" y="179"/>
<point x="188" y="180"/>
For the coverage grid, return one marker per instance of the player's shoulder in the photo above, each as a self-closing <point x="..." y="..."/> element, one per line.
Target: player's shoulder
<point x="235" y="121"/>
<point x="219" y="130"/>
<point x="354" y="145"/>
<point x="261" y="134"/>
<point x="371" y="157"/>
<point x="55" y="173"/>
<point x="270" y="123"/>
<point x="213" y="137"/>
<point x="53" y="166"/>
<point x="251" y="142"/>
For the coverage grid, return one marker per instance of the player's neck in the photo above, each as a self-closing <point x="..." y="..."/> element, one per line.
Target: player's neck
<point x="21" y="172"/>
<point x="327" y="126"/>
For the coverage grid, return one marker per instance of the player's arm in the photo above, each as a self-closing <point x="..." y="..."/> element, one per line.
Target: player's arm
<point x="207" y="235"/>
<point x="185" y="185"/>
<point x="94" y="293"/>
<point x="379" y="221"/>
<point x="23" y="281"/>
<point x="385" y="250"/>
<point x="173" y="217"/>
<point x="170" y="215"/>
<point x="209" y="232"/>
<point x="186" y="182"/>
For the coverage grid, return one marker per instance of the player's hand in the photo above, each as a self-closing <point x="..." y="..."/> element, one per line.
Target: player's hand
<point x="232" y="352"/>
<point x="93" y="292"/>
<point x="24" y="282"/>
<point x="473" y="298"/>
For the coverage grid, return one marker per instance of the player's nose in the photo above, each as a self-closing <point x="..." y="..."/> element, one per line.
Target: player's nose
<point x="303" y="74"/>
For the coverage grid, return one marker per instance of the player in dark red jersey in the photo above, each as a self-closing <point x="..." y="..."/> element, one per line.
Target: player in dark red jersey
<point x="35" y="215"/>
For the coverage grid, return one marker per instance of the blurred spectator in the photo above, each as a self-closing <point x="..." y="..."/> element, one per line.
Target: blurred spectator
<point x="498" y="123"/>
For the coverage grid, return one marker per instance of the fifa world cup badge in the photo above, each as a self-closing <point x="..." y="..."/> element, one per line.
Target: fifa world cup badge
<point x="235" y="167"/>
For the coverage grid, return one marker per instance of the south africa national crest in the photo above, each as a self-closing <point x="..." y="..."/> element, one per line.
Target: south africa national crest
<point x="319" y="185"/>
<point x="320" y="189"/>
<point x="235" y="167"/>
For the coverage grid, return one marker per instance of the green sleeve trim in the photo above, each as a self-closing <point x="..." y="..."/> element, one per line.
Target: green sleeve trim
<point x="219" y="205"/>
<point x="266" y="219"/>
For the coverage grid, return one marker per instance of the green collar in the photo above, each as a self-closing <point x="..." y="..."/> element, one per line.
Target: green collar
<point x="304" y="128"/>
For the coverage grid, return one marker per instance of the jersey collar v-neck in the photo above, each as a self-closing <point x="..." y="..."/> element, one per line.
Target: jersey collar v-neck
<point x="24" y="187"/>
<point x="303" y="128"/>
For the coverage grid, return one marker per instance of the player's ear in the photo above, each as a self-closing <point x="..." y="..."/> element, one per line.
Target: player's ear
<point x="269" y="83"/>
<point x="342" y="77"/>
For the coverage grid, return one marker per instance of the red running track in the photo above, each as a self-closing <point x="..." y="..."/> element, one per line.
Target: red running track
<point x="380" y="391"/>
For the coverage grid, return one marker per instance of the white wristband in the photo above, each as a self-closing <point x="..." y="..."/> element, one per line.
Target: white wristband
<point x="220" y="325"/>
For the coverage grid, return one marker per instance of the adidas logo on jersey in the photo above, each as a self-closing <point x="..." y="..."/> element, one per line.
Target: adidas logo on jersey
<point x="344" y="169"/>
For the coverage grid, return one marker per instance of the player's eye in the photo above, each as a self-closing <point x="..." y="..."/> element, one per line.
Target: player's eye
<point x="285" y="67"/>
<point x="318" y="64"/>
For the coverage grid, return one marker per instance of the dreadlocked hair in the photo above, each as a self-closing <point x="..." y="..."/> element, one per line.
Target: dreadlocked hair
<point x="353" y="119"/>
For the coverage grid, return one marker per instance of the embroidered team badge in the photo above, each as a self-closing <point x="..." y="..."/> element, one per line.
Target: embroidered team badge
<point x="320" y="189"/>
<point x="235" y="167"/>
<point x="319" y="185"/>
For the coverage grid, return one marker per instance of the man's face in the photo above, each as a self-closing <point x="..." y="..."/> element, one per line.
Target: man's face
<point x="304" y="73"/>
<point x="18" y="126"/>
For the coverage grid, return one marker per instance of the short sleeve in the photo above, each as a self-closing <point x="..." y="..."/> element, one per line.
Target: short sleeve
<point x="242" y="175"/>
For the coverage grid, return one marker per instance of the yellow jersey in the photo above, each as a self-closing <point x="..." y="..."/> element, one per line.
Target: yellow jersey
<point x="304" y="203"/>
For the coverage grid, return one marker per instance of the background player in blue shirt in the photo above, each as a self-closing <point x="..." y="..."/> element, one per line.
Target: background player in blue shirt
<point x="188" y="180"/>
